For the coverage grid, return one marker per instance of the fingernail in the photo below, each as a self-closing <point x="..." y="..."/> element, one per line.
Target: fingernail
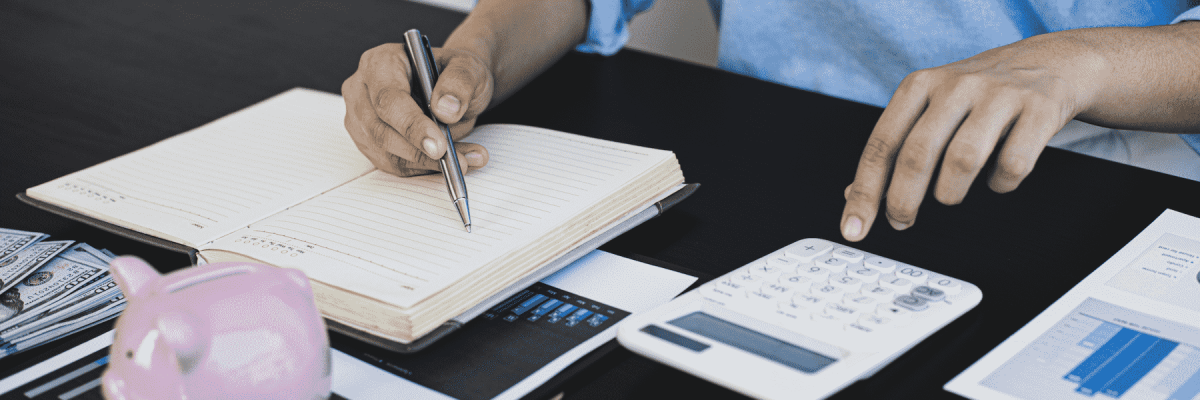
<point x="852" y="228"/>
<point x="448" y="105"/>
<point x="430" y="146"/>
<point x="900" y="226"/>
<point x="474" y="158"/>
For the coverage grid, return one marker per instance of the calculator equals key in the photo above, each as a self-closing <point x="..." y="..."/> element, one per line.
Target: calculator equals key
<point x="801" y="322"/>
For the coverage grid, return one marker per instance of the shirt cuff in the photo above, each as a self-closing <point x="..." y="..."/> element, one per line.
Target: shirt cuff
<point x="608" y="24"/>
<point x="1189" y="15"/>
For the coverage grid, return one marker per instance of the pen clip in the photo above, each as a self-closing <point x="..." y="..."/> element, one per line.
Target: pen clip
<point x="424" y="70"/>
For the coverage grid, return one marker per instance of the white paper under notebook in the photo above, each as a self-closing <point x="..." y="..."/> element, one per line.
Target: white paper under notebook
<point x="1130" y="330"/>
<point x="281" y="182"/>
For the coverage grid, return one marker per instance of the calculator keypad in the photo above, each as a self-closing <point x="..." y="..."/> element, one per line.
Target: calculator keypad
<point x="819" y="284"/>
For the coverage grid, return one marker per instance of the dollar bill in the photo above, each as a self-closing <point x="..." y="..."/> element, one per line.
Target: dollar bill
<point x="17" y="266"/>
<point x="86" y="253"/>
<point x="99" y="291"/>
<point x="56" y="317"/>
<point x="12" y="240"/>
<point x="63" y="329"/>
<point x="52" y="281"/>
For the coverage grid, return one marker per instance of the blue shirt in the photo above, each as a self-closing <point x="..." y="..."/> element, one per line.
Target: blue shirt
<point x="861" y="49"/>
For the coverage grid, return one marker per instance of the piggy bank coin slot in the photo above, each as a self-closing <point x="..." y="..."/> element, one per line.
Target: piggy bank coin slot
<point x="208" y="276"/>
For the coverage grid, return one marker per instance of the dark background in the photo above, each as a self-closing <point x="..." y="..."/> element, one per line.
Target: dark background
<point x="83" y="82"/>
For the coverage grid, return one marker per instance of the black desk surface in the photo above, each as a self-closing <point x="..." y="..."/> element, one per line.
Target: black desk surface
<point x="83" y="82"/>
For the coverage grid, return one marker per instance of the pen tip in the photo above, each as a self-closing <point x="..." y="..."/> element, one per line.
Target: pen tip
<point x="468" y="226"/>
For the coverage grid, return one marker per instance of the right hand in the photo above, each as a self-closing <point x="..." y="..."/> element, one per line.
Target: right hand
<point x="389" y="127"/>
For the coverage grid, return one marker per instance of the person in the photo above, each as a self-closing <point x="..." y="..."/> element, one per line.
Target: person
<point x="960" y="81"/>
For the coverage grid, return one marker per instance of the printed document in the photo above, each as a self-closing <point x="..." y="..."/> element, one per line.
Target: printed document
<point x="1130" y="330"/>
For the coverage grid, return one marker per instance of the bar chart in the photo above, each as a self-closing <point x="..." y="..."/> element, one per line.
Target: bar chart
<point x="1102" y="350"/>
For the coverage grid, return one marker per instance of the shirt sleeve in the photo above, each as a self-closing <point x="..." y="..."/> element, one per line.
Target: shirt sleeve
<point x="608" y="24"/>
<point x="1189" y="15"/>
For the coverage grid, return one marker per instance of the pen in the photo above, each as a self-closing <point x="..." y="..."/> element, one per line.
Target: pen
<point x="425" y="70"/>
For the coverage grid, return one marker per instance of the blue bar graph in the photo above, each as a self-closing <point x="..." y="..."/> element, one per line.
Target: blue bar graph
<point x="1117" y="364"/>
<point x="1100" y="357"/>
<point x="1140" y="368"/>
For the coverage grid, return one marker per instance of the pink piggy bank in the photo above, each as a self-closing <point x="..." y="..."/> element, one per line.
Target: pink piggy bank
<point x="220" y="331"/>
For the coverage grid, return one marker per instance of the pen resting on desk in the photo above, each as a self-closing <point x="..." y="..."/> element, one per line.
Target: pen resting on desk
<point x="281" y="183"/>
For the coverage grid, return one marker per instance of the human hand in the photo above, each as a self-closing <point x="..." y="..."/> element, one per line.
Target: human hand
<point x="1014" y="98"/>
<point x="389" y="127"/>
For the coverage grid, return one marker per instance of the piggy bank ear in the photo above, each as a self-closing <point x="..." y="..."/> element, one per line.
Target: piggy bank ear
<point x="132" y="275"/>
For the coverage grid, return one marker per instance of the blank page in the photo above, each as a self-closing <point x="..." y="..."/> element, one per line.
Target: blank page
<point x="200" y="185"/>
<point x="399" y="240"/>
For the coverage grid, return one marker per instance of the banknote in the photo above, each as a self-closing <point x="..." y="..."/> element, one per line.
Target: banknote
<point x="12" y="241"/>
<point x="86" y="253"/>
<point x="52" y="281"/>
<point x="20" y="264"/>
<point x="99" y="291"/>
<point x="33" y="326"/>
<point x="63" y="329"/>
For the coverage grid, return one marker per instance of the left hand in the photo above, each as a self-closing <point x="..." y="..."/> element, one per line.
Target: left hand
<point x="1014" y="98"/>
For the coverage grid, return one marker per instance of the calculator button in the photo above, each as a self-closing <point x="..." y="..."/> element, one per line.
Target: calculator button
<point x="841" y="312"/>
<point x="765" y="271"/>
<point x="796" y="282"/>
<point x="928" y="293"/>
<point x="916" y="275"/>
<point x="793" y="312"/>
<point x="884" y="265"/>
<point x="859" y="330"/>
<point x="911" y="302"/>
<point x="808" y="301"/>
<point x="893" y="312"/>
<point x="878" y="292"/>
<point x="725" y="292"/>
<point x="848" y="254"/>
<point x="946" y="284"/>
<point x="782" y="261"/>
<point x="744" y="277"/>
<point x="867" y="274"/>
<point x="826" y="291"/>
<point x="874" y="321"/>
<point x="859" y="300"/>
<point x="760" y="297"/>
<point x="826" y="320"/>
<point x="847" y="283"/>
<point x="808" y="249"/>
<point x="833" y="263"/>
<point x="900" y="285"/>
<point x="776" y="289"/>
<point x="816" y="273"/>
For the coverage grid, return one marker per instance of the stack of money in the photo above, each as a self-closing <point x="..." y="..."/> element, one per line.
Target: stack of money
<point x="50" y="289"/>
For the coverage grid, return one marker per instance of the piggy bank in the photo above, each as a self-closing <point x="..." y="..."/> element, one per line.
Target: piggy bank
<point x="219" y="331"/>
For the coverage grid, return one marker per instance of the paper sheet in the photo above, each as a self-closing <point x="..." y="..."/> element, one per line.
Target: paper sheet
<point x="1130" y="330"/>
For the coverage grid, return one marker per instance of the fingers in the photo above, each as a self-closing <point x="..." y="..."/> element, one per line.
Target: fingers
<point x="474" y="156"/>
<point x="971" y="146"/>
<point x="386" y="77"/>
<point x="863" y="196"/>
<point x="1029" y="136"/>
<point x="464" y="87"/>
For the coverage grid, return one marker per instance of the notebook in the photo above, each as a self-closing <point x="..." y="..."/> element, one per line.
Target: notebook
<point x="280" y="182"/>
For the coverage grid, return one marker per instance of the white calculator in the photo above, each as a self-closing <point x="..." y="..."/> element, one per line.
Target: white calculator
<point x="802" y="322"/>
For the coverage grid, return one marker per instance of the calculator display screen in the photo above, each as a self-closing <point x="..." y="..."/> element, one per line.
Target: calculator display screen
<point x="753" y="342"/>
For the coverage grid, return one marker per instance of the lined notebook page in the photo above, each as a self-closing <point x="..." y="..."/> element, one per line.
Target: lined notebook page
<point x="210" y="181"/>
<point x="399" y="240"/>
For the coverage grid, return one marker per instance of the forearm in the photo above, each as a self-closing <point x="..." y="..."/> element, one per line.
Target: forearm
<point x="1147" y="78"/>
<point x="518" y="39"/>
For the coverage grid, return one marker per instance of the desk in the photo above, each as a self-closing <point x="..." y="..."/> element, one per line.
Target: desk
<point x="85" y="82"/>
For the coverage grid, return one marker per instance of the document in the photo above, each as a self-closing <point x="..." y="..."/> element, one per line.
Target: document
<point x="1130" y="330"/>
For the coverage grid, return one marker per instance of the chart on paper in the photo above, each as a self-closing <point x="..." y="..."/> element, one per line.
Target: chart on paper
<point x="1103" y="350"/>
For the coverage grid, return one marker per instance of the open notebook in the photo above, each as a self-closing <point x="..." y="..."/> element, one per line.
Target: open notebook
<point x="281" y="182"/>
